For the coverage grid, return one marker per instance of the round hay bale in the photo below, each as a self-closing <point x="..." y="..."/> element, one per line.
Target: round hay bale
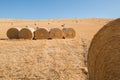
<point x="104" y="53"/>
<point x="68" y="33"/>
<point x="26" y="33"/>
<point x="41" y="33"/>
<point x="12" y="33"/>
<point x="55" y="33"/>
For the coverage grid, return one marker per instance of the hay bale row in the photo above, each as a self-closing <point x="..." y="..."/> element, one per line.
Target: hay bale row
<point x="104" y="53"/>
<point x="40" y="33"/>
<point x="18" y="33"/>
<point x="57" y="33"/>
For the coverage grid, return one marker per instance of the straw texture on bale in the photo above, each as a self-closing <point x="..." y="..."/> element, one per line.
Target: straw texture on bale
<point x="104" y="53"/>
<point x="41" y="33"/>
<point x="68" y="33"/>
<point x="26" y="33"/>
<point x="55" y="33"/>
<point x="12" y="33"/>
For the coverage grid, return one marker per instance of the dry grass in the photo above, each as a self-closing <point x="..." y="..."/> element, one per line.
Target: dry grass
<point x="46" y="60"/>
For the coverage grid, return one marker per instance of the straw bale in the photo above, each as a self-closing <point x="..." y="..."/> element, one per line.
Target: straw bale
<point x="41" y="33"/>
<point x="26" y="33"/>
<point x="55" y="33"/>
<point x="12" y="33"/>
<point x="68" y="33"/>
<point x="104" y="53"/>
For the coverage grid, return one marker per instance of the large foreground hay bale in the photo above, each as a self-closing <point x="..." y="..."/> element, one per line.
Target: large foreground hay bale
<point x="12" y="33"/>
<point x="104" y="53"/>
<point x="68" y="33"/>
<point x="26" y="33"/>
<point x="41" y="33"/>
<point x="55" y="33"/>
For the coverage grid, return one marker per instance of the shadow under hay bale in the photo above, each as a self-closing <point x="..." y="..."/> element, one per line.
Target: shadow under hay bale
<point x="41" y="33"/>
<point x="26" y="33"/>
<point x="55" y="33"/>
<point x="12" y="33"/>
<point x="68" y="33"/>
<point x="104" y="53"/>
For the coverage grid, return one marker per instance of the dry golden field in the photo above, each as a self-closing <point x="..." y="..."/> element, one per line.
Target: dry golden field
<point x="57" y="59"/>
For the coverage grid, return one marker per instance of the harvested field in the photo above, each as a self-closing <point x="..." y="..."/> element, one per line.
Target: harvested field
<point x="57" y="59"/>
